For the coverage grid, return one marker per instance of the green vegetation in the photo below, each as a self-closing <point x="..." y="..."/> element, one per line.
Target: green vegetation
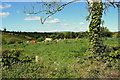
<point x="62" y="59"/>
<point x="40" y="39"/>
<point x="11" y="39"/>
<point x="96" y="46"/>
<point x="13" y="56"/>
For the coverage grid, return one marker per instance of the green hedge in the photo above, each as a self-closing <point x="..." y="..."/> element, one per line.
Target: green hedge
<point x="13" y="56"/>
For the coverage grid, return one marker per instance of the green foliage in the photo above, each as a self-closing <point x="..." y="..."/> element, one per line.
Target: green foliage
<point x="105" y="32"/>
<point x="113" y="53"/>
<point x="40" y="39"/>
<point x="64" y="59"/>
<point x="53" y="36"/>
<point x="10" y="57"/>
<point x="116" y="35"/>
<point x="96" y="45"/>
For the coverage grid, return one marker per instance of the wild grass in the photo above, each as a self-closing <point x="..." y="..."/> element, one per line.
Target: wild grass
<point x="59" y="60"/>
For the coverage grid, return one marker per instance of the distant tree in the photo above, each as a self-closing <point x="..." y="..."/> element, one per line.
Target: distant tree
<point x="105" y="32"/>
<point x="4" y="30"/>
<point x="68" y="35"/>
<point x="61" y="35"/>
<point x="86" y="34"/>
<point x="74" y="35"/>
<point x="80" y="35"/>
<point x="53" y="36"/>
<point x="40" y="39"/>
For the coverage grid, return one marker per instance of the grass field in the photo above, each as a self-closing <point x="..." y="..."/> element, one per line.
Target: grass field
<point x="56" y="60"/>
<point x="7" y="37"/>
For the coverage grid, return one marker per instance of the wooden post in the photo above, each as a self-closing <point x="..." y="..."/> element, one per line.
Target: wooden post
<point x="36" y="59"/>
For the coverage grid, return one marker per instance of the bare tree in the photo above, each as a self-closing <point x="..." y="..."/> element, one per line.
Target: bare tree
<point x="50" y="8"/>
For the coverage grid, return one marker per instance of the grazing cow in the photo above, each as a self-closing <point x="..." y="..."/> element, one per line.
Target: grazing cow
<point x="32" y="41"/>
<point x="19" y="42"/>
<point x="64" y="38"/>
<point x="56" y="40"/>
<point x="60" y="39"/>
<point x="76" y="38"/>
<point x="48" y="39"/>
<point x="28" y="41"/>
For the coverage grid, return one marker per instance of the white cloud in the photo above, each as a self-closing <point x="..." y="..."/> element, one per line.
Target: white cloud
<point x="82" y="23"/>
<point x="50" y="17"/>
<point x="4" y="14"/>
<point x="53" y="21"/>
<point x="6" y="6"/>
<point x="32" y="18"/>
<point x="65" y="24"/>
<point x="78" y="23"/>
<point x="27" y="14"/>
<point x="1" y="7"/>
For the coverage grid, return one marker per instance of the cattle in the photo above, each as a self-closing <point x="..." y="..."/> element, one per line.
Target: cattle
<point x="28" y="41"/>
<point x="19" y="42"/>
<point x="64" y="38"/>
<point x="48" y="39"/>
<point x="56" y="40"/>
<point x="60" y="39"/>
<point x="76" y="38"/>
<point x="31" y="41"/>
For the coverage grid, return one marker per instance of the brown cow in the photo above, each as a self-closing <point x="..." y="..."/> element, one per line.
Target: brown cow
<point x="32" y="41"/>
<point x="60" y="39"/>
<point x="19" y="42"/>
<point x="76" y="38"/>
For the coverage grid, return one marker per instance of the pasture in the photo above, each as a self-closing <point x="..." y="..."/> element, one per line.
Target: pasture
<point x="57" y="60"/>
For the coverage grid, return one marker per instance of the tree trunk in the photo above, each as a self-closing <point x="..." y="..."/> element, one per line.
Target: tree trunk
<point x="95" y="40"/>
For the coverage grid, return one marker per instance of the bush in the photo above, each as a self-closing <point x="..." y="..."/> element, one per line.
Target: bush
<point x="12" y="40"/>
<point x="105" y="32"/>
<point x="40" y="39"/>
<point x="112" y="53"/>
<point x="116" y="35"/>
<point x="13" y="56"/>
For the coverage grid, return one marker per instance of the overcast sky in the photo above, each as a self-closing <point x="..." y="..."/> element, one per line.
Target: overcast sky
<point x="71" y="18"/>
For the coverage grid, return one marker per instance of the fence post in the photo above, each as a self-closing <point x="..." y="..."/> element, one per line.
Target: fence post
<point x="36" y="59"/>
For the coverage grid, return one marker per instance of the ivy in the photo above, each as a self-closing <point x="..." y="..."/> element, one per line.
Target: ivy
<point x="13" y="56"/>
<point x="96" y="46"/>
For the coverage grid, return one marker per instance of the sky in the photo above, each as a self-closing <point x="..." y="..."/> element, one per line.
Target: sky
<point x="71" y="18"/>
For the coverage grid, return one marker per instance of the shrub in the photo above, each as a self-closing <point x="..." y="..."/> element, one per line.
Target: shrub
<point x="105" y="32"/>
<point x="116" y="35"/>
<point x="13" y="56"/>
<point x="112" y="53"/>
<point x="40" y="39"/>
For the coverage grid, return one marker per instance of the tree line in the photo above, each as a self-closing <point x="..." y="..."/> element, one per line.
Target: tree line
<point x="56" y="35"/>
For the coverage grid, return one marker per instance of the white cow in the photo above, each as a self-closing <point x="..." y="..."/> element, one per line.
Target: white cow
<point x="56" y="40"/>
<point x="48" y="39"/>
<point x="28" y="41"/>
